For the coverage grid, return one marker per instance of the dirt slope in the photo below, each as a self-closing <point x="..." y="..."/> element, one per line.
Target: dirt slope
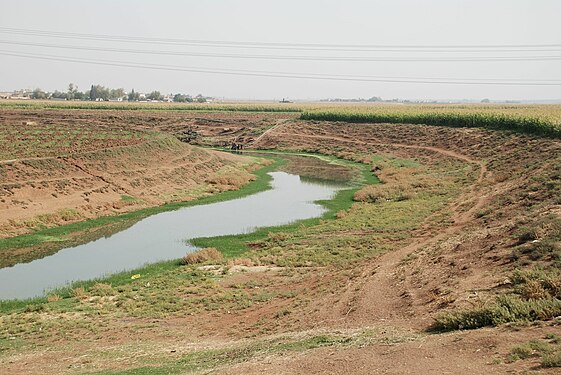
<point x="81" y="169"/>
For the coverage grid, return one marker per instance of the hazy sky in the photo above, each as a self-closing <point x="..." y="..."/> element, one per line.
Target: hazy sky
<point x="351" y="22"/>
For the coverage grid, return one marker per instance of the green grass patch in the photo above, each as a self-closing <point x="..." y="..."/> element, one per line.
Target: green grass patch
<point x="67" y="292"/>
<point x="548" y="351"/>
<point x="128" y="199"/>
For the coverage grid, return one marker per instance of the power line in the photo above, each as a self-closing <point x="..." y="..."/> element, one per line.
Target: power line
<point x="270" y="45"/>
<point x="287" y="57"/>
<point x="311" y="76"/>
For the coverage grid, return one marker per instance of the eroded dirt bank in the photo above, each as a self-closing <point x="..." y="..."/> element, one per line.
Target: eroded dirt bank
<point x="58" y="168"/>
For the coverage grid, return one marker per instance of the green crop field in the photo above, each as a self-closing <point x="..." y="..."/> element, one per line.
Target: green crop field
<point x="534" y="119"/>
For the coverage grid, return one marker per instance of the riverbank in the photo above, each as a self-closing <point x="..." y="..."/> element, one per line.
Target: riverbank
<point x="232" y="245"/>
<point x="42" y="242"/>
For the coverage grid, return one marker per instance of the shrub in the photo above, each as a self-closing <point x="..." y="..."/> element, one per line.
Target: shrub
<point x="54" y="298"/>
<point x="384" y="193"/>
<point x="203" y="255"/>
<point x="551" y="360"/>
<point x="102" y="290"/>
<point x="527" y="235"/>
<point x="505" y="309"/>
<point x="538" y="283"/>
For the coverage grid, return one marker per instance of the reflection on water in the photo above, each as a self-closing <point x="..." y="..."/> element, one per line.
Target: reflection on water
<point x="163" y="236"/>
<point x="324" y="182"/>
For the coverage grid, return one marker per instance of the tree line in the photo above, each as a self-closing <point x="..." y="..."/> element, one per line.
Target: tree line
<point x="102" y="93"/>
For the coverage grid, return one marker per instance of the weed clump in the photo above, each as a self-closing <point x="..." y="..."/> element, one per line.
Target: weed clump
<point x="54" y="298"/>
<point x="102" y="290"/>
<point x="551" y="360"/>
<point x="384" y="193"/>
<point x="246" y="262"/>
<point x="506" y="309"/>
<point x="201" y="256"/>
<point x="527" y="235"/>
<point x="538" y="283"/>
<point x="549" y="352"/>
<point x="230" y="179"/>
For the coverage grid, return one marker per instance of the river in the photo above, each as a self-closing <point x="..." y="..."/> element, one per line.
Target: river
<point x="165" y="236"/>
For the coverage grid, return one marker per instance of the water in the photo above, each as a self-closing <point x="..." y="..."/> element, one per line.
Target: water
<point x="164" y="236"/>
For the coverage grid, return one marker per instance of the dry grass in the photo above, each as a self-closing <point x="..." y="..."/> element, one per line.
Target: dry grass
<point x="384" y="193"/>
<point x="230" y="178"/>
<point x="399" y="184"/>
<point x="201" y="256"/>
<point x="103" y="290"/>
<point x="54" y="298"/>
<point x="241" y="262"/>
<point x="79" y="292"/>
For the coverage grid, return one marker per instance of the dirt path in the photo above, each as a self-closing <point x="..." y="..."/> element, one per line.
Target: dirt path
<point x="270" y="130"/>
<point x="381" y="296"/>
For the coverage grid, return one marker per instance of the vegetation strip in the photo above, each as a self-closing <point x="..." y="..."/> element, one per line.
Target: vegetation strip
<point x="213" y="358"/>
<point x="191" y="107"/>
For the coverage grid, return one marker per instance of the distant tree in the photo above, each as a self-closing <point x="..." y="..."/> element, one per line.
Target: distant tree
<point x="38" y="94"/>
<point x="116" y="93"/>
<point x="78" y="95"/>
<point x="155" y="95"/>
<point x="179" y="98"/>
<point x="485" y="101"/>
<point x="133" y="96"/>
<point x="72" y="90"/>
<point x="59" y="95"/>
<point x="103" y="92"/>
<point x="99" y="92"/>
<point x="375" y="99"/>
<point x="200" y="99"/>
<point x="93" y="93"/>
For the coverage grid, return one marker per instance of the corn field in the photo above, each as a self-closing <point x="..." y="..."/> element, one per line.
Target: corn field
<point x="534" y="119"/>
<point x="542" y="120"/>
<point x="135" y="106"/>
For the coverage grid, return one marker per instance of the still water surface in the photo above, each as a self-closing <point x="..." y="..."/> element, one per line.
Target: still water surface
<point x="164" y="236"/>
